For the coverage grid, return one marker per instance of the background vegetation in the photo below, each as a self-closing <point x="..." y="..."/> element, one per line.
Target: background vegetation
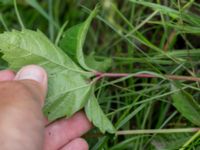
<point x="155" y="36"/>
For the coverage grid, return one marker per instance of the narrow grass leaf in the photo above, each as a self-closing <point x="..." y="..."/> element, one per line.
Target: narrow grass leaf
<point x="38" y="7"/>
<point x="188" y="17"/>
<point x="165" y="10"/>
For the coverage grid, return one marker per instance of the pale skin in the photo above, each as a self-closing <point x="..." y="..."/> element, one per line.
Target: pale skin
<point x="23" y="126"/>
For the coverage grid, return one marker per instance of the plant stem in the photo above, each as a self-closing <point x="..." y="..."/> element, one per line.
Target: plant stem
<point x="157" y="131"/>
<point x="152" y="131"/>
<point x="18" y="15"/>
<point x="3" y="22"/>
<point x="145" y="75"/>
<point x="197" y="134"/>
<point x="169" y="40"/>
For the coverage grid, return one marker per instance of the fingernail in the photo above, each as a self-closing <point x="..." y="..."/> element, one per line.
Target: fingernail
<point x="31" y="72"/>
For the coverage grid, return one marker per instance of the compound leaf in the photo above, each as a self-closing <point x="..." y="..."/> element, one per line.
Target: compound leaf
<point x="68" y="88"/>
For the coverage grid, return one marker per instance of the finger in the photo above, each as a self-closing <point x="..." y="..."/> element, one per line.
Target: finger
<point x="22" y="125"/>
<point x="6" y="75"/>
<point x="76" y="144"/>
<point x="65" y="130"/>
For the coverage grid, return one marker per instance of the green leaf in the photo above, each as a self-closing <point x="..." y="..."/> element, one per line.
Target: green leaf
<point x="170" y="141"/>
<point x="68" y="88"/>
<point x="97" y="116"/>
<point x="74" y="38"/>
<point x="185" y="104"/>
<point x="98" y="65"/>
<point x="72" y="43"/>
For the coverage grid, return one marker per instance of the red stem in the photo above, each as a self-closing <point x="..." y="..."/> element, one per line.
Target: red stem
<point x="100" y="75"/>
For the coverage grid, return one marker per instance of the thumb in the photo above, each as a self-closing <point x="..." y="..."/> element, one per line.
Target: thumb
<point x="35" y="78"/>
<point x="22" y="122"/>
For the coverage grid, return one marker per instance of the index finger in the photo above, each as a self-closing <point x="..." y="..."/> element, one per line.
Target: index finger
<point x="63" y="131"/>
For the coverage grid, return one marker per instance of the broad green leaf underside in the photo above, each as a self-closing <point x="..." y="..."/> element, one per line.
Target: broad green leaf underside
<point x="69" y="89"/>
<point x="185" y="104"/>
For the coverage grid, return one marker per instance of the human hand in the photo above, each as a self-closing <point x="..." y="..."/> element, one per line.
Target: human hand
<point x="23" y="126"/>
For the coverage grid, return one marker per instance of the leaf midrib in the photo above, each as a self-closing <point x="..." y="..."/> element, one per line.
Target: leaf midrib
<point x="67" y="91"/>
<point x="55" y="48"/>
<point x="47" y="59"/>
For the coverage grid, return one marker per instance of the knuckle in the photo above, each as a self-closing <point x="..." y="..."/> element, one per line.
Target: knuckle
<point x="12" y="91"/>
<point x="20" y="86"/>
<point x="14" y="87"/>
<point x="21" y="90"/>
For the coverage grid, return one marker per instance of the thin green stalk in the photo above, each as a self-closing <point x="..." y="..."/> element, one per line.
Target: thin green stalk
<point x="158" y="131"/>
<point x="3" y="22"/>
<point x="51" y="26"/>
<point x="18" y="15"/>
<point x="146" y="75"/>
<point x="163" y="124"/>
<point x="196" y="135"/>
<point x="61" y="32"/>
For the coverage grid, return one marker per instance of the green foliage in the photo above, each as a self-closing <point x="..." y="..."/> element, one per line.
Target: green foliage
<point x="96" y="115"/>
<point x="69" y="90"/>
<point x="161" y="37"/>
<point x="185" y="104"/>
<point x="6" y="2"/>
<point x="74" y="38"/>
<point x="190" y="18"/>
<point x="72" y="43"/>
<point x="19" y="51"/>
<point x="170" y="141"/>
<point x="38" y="7"/>
<point x="101" y="65"/>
